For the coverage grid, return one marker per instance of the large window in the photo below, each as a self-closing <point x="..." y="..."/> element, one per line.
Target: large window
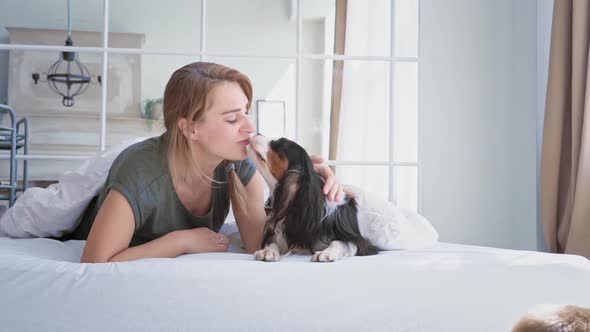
<point x="341" y="76"/>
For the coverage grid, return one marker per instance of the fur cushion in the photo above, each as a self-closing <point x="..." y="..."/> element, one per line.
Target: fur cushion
<point x="552" y="318"/>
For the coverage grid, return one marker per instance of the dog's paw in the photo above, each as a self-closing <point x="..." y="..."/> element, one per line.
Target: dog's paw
<point x="324" y="256"/>
<point x="267" y="255"/>
<point x="335" y="251"/>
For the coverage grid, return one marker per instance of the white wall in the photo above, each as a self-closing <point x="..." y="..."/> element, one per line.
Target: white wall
<point x="544" y="19"/>
<point x="3" y="67"/>
<point x="478" y="112"/>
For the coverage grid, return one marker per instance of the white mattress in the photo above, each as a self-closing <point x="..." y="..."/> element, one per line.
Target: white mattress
<point x="447" y="288"/>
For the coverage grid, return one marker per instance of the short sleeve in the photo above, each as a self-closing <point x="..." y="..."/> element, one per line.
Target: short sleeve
<point x="245" y="170"/>
<point x="129" y="175"/>
<point x="131" y="198"/>
<point x="139" y="173"/>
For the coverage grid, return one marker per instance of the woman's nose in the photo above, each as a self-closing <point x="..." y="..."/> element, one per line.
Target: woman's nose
<point x="249" y="126"/>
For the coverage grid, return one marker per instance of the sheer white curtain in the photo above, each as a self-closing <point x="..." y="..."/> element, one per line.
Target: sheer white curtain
<point x="363" y="133"/>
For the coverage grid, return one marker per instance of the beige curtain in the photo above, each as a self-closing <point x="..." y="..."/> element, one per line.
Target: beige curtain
<point x="565" y="162"/>
<point x="337" y="70"/>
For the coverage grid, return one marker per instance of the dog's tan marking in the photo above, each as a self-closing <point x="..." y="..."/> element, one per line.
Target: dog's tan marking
<point x="277" y="165"/>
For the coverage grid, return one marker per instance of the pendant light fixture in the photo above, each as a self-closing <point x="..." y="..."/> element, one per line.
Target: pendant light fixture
<point x="67" y="77"/>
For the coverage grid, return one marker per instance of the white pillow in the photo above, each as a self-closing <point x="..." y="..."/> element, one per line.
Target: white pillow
<point x="390" y="227"/>
<point x="54" y="211"/>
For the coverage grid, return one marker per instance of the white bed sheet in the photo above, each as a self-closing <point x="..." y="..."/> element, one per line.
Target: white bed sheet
<point x="446" y="288"/>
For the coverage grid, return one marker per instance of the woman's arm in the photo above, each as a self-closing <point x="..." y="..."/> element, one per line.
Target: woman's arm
<point x="332" y="189"/>
<point x="251" y="220"/>
<point x="113" y="229"/>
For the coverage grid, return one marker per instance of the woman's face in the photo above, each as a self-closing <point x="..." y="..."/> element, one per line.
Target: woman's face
<point x="225" y="130"/>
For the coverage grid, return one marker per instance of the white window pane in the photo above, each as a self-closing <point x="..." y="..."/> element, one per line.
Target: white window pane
<point x="46" y="22"/>
<point x="406" y="186"/>
<point x="364" y="111"/>
<point x="406" y="28"/>
<point x="272" y="79"/>
<point x="53" y="127"/>
<point x="254" y="26"/>
<point x="134" y="94"/>
<point x="315" y="100"/>
<point x="363" y="119"/>
<point x="367" y="27"/>
<point x="155" y="24"/>
<point x="405" y="112"/>
<point x="371" y="179"/>
<point x="317" y="25"/>
<point x="270" y="118"/>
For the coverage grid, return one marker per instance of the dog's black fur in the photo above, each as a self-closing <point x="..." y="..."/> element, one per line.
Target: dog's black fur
<point x="304" y="212"/>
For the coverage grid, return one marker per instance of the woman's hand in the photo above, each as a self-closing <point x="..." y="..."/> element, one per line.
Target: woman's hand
<point x="334" y="190"/>
<point x="200" y="240"/>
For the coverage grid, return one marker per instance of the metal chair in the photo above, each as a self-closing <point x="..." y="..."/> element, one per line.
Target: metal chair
<point x="12" y="139"/>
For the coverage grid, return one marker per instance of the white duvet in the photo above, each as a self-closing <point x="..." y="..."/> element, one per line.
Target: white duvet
<point x="445" y="288"/>
<point x="55" y="210"/>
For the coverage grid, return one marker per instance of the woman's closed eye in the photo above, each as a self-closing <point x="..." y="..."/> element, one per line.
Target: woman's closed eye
<point x="234" y="119"/>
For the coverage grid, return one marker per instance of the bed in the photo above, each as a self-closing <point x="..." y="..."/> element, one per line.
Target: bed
<point x="448" y="287"/>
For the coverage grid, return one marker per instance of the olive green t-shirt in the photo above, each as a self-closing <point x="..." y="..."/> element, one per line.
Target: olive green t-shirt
<point x="141" y="174"/>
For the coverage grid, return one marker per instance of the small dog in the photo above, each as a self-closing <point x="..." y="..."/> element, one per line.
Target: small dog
<point x="299" y="217"/>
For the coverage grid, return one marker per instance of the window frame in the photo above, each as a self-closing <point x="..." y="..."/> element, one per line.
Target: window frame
<point x="105" y="50"/>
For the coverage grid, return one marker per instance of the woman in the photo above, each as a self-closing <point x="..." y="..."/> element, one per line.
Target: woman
<point x="169" y="195"/>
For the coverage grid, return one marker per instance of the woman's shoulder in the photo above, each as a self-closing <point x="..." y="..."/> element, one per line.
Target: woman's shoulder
<point x="145" y="151"/>
<point x="145" y="159"/>
<point x="149" y="144"/>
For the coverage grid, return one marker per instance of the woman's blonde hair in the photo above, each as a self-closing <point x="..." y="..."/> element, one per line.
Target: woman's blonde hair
<point x="187" y="96"/>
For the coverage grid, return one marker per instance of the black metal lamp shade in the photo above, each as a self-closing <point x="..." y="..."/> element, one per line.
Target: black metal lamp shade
<point x="68" y="77"/>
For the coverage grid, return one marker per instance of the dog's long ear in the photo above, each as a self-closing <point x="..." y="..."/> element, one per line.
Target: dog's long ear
<point x="284" y="194"/>
<point x="294" y="162"/>
<point x="302" y="220"/>
<point x="282" y="199"/>
<point x="310" y="195"/>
